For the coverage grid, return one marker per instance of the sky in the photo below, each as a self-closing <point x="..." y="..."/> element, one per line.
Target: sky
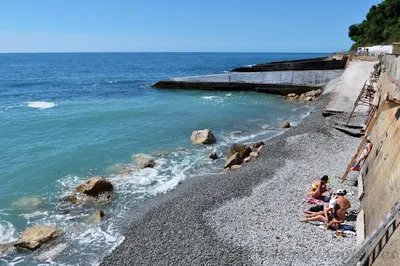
<point x="178" y="25"/>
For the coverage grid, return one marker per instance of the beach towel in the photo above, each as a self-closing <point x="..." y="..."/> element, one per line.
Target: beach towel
<point x="310" y="200"/>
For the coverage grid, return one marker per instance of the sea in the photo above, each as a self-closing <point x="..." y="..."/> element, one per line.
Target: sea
<point x="66" y="117"/>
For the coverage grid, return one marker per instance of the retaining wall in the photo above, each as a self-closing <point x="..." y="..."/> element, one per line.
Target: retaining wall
<point x="380" y="172"/>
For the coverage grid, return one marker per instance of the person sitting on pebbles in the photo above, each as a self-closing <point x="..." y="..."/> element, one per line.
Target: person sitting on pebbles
<point x="363" y="156"/>
<point x="334" y="215"/>
<point x="319" y="187"/>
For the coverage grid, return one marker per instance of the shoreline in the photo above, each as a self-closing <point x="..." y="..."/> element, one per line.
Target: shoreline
<point x="231" y="218"/>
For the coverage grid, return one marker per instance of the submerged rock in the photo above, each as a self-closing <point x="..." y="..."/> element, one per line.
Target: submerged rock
<point x="95" y="185"/>
<point x="237" y="132"/>
<point x="235" y="159"/>
<point x="142" y="160"/>
<point x="28" y="202"/>
<point x="213" y="156"/>
<point x="286" y="124"/>
<point x="97" y="216"/>
<point x="6" y="249"/>
<point x="202" y="137"/>
<point x="52" y="253"/>
<point x="36" y="236"/>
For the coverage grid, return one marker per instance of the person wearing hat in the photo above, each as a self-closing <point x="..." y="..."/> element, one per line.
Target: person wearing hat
<point x="366" y="151"/>
<point x="342" y="204"/>
<point x="319" y="187"/>
<point x="325" y="216"/>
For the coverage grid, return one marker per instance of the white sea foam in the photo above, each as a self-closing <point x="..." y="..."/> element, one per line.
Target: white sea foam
<point x="41" y="105"/>
<point x="209" y="97"/>
<point x="7" y="232"/>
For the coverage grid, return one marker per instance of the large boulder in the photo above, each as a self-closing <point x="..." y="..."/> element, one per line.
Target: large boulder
<point x="313" y="93"/>
<point x="95" y="185"/>
<point x="242" y="149"/>
<point x="36" y="236"/>
<point x="142" y="160"/>
<point x="235" y="159"/>
<point x="202" y="137"/>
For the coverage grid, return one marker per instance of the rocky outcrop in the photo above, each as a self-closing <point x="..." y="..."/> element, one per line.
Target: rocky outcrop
<point x="95" y="185"/>
<point x="142" y="160"/>
<point x="286" y="124"/>
<point x="213" y="156"/>
<point x="309" y="96"/>
<point x="202" y="137"/>
<point x="242" y="149"/>
<point x="36" y="236"/>
<point x="235" y="159"/>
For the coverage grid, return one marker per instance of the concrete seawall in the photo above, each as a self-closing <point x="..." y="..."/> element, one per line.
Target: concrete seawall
<point x="277" y="82"/>
<point x="322" y="63"/>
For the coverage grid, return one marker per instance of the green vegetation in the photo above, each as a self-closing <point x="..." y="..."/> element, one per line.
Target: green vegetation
<point x="382" y="25"/>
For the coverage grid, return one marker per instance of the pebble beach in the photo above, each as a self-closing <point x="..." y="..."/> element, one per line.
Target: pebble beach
<point x="250" y="216"/>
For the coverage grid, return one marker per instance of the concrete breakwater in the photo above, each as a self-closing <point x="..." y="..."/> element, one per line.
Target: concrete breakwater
<point x="277" y="82"/>
<point x="319" y="63"/>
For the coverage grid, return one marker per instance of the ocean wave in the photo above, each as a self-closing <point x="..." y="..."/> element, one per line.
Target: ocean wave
<point x="209" y="97"/>
<point x="41" y="105"/>
<point x="7" y="232"/>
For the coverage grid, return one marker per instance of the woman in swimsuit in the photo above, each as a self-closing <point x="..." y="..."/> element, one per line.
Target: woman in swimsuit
<point x="319" y="187"/>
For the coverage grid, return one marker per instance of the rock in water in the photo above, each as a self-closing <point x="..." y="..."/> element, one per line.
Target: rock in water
<point x="142" y="160"/>
<point x="237" y="132"/>
<point x="97" y="216"/>
<point x="95" y="185"/>
<point x="286" y="124"/>
<point x="238" y="148"/>
<point x="52" y="253"/>
<point x="235" y="159"/>
<point x="36" y="236"/>
<point x="213" y="156"/>
<point x="30" y="202"/>
<point x="202" y="137"/>
<point x="6" y="249"/>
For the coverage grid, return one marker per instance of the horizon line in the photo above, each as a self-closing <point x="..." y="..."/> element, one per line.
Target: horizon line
<point x="166" y="52"/>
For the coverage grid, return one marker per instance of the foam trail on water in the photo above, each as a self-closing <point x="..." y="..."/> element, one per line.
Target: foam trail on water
<point x="7" y="232"/>
<point x="41" y="105"/>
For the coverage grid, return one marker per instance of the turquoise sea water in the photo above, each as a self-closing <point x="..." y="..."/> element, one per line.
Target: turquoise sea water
<point x="67" y="117"/>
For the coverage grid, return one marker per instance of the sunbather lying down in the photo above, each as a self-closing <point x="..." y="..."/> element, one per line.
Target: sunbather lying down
<point x="319" y="187"/>
<point x="333" y="215"/>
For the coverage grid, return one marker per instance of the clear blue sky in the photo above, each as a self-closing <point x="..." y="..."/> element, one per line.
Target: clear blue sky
<point x="178" y="25"/>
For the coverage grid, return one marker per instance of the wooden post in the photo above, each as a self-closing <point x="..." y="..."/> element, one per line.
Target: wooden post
<point x="367" y="132"/>
<point x="356" y="102"/>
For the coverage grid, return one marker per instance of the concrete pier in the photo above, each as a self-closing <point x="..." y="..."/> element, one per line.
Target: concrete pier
<point x="277" y="82"/>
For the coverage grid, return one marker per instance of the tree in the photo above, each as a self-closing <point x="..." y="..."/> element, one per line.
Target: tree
<point x="382" y="24"/>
